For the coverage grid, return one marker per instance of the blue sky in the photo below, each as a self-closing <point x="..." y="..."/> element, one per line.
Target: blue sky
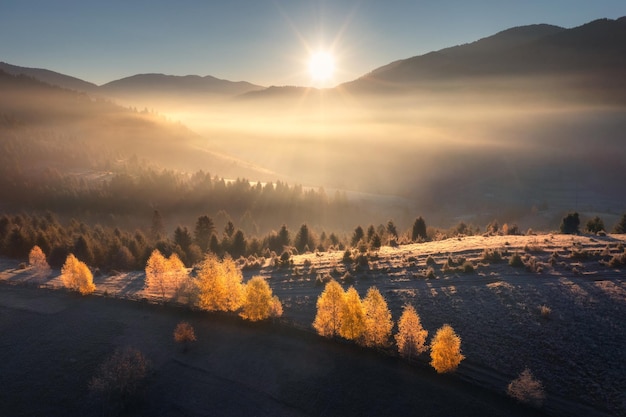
<point x="262" y="41"/>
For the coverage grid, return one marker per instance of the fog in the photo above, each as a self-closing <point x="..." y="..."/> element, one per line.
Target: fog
<point x="486" y="149"/>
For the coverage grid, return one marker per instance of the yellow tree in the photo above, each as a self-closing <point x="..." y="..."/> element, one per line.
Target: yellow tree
<point x="176" y="270"/>
<point x="211" y="284"/>
<point x="233" y="282"/>
<point x="76" y="276"/>
<point x="445" y="350"/>
<point x="378" y="323"/>
<point x="156" y="273"/>
<point x="257" y="303"/>
<point x="329" y="307"/>
<point x="352" y="316"/>
<point x="276" y="308"/>
<point x="37" y="259"/>
<point x="411" y="336"/>
<point x="184" y="334"/>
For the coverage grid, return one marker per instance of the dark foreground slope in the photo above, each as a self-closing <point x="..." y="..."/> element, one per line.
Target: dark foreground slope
<point x="52" y="343"/>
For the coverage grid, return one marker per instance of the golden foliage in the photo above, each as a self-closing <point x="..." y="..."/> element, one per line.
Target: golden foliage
<point x="219" y="285"/>
<point x="329" y="308"/>
<point x="164" y="275"/>
<point x="352" y="316"/>
<point x="184" y="333"/>
<point x="276" y="308"/>
<point x="411" y="336"/>
<point x="445" y="350"/>
<point x="257" y="304"/>
<point x="526" y="389"/>
<point x="76" y="276"/>
<point x="37" y="259"/>
<point x="378" y="322"/>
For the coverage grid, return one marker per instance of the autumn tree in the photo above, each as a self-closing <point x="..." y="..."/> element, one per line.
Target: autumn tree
<point x="219" y="284"/>
<point x="258" y="300"/>
<point x="411" y="336"/>
<point x="37" y="259"/>
<point x="526" y="389"/>
<point x="276" y="308"/>
<point x="184" y="334"/>
<point x="164" y="275"/>
<point x="76" y="276"/>
<point x="445" y="350"/>
<point x="378" y="323"/>
<point x="352" y="316"/>
<point x="329" y="308"/>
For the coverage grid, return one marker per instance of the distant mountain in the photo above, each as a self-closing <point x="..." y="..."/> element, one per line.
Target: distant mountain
<point x="596" y="49"/>
<point x="171" y="85"/>
<point x="72" y="129"/>
<point x="50" y="77"/>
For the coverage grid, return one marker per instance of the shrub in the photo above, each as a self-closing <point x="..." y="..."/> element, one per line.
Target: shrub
<point x="120" y="376"/>
<point x="595" y="225"/>
<point x="184" y="334"/>
<point x="570" y="224"/>
<point x="516" y="261"/>
<point x="526" y="389"/>
<point x="468" y="267"/>
<point x="430" y="273"/>
<point x="620" y="227"/>
<point x="545" y="311"/>
<point x="492" y="255"/>
<point x="430" y="261"/>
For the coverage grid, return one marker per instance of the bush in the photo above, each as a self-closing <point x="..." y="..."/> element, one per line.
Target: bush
<point x="526" y="389"/>
<point x="184" y="334"/>
<point x="468" y="267"/>
<point x="570" y="223"/>
<point x="516" y="261"/>
<point x="545" y="311"/>
<point x="430" y="261"/>
<point x="595" y="225"/>
<point x="492" y="256"/>
<point x="120" y="376"/>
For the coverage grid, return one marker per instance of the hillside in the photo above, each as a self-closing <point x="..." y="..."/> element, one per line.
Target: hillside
<point x="593" y="55"/>
<point x="37" y="115"/>
<point x="561" y="315"/>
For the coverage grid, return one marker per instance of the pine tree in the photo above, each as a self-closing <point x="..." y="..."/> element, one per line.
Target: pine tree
<point x="378" y="323"/>
<point x="411" y="336"/>
<point x="203" y="231"/>
<point x="419" y="229"/>
<point x="352" y="316"/>
<point x="445" y="350"/>
<point x="620" y="227"/>
<point x="329" y="308"/>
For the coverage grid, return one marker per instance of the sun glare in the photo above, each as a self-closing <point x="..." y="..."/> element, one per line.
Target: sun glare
<point x="321" y="66"/>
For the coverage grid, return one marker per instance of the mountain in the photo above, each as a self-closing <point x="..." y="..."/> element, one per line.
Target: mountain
<point x="69" y="130"/>
<point x="170" y="91"/>
<point x="50" y="77"/>
<point x="594" y="51"/>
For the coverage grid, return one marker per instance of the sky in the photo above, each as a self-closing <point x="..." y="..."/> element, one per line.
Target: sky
<point x="266" y="42"/>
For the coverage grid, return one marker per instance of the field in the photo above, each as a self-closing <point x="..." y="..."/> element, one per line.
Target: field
<point x="574" y="345"/>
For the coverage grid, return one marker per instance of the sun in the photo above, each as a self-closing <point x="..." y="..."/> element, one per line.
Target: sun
<point x="321" y="66"/>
